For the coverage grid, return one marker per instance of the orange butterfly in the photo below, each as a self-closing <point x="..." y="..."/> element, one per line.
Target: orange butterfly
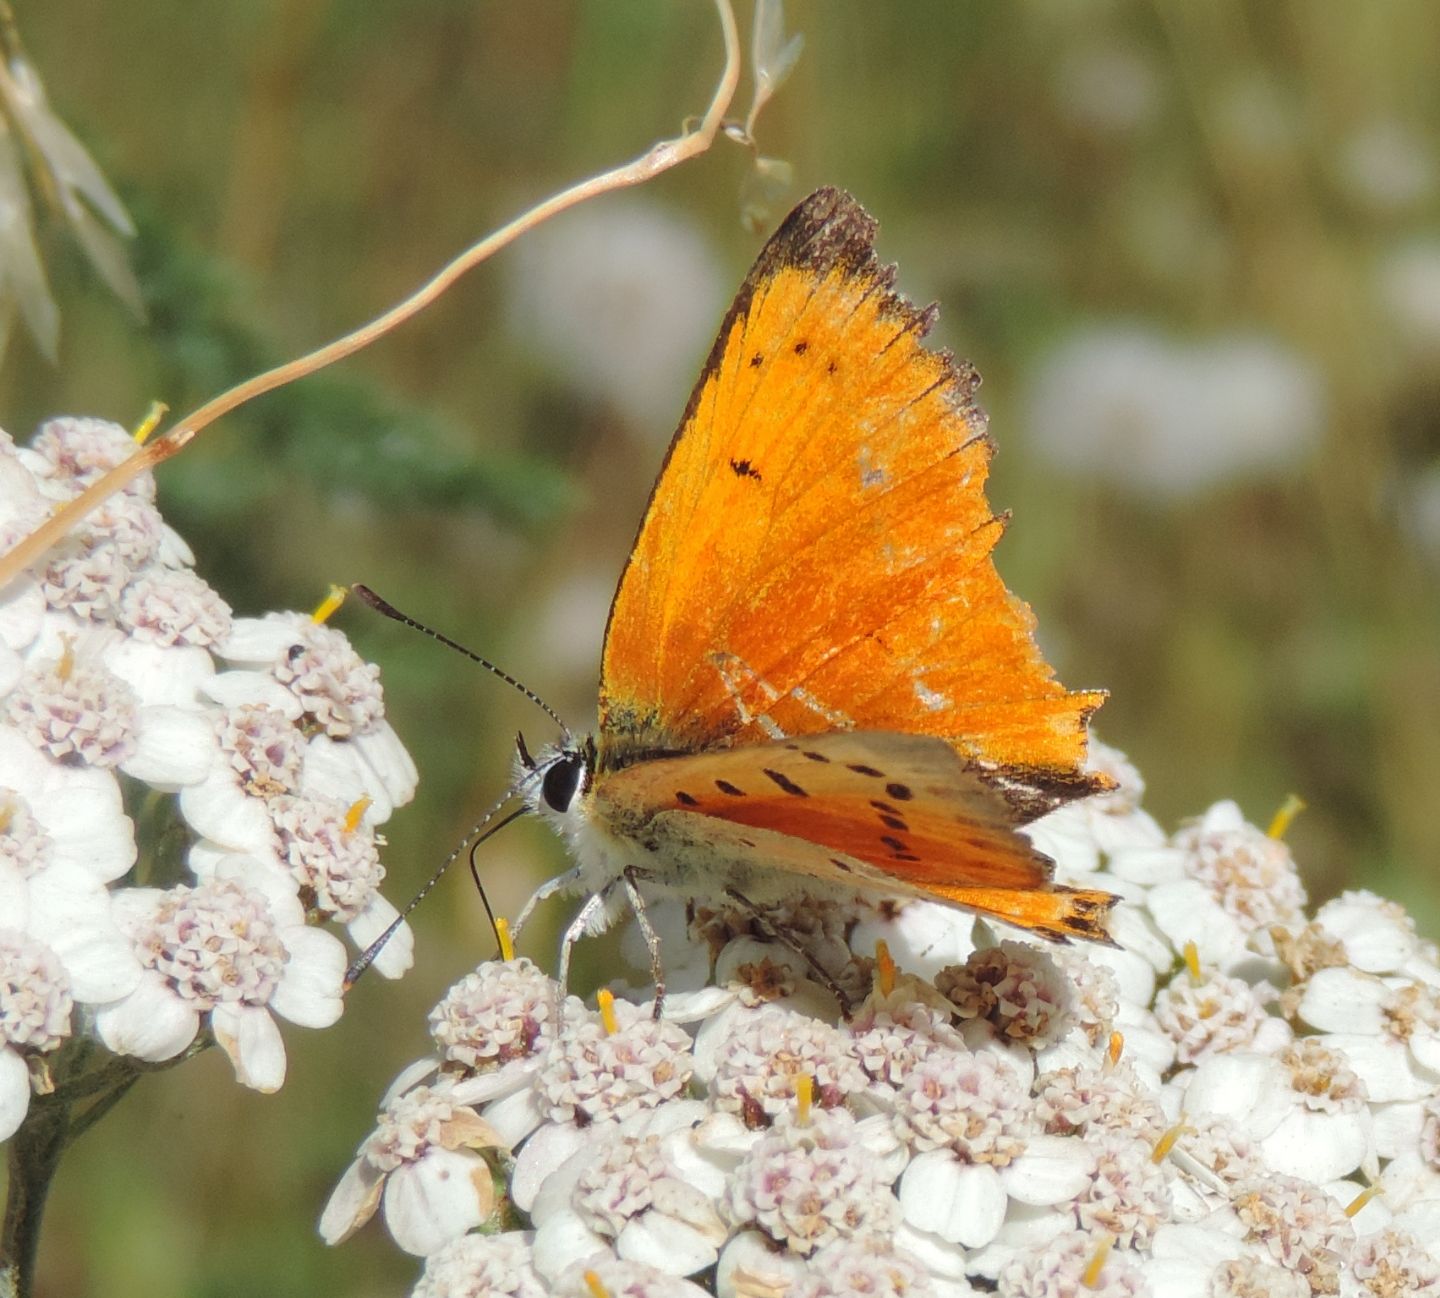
<point x="814" y="680"/>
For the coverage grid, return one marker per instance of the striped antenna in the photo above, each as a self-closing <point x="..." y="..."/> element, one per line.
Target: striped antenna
<point x="368" y="596"/>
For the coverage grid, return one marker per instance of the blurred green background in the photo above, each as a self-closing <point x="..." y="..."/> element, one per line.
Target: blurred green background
<point x="1193" y="248"/>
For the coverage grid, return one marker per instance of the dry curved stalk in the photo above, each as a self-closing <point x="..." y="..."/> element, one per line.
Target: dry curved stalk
<point x="660" y="157"/>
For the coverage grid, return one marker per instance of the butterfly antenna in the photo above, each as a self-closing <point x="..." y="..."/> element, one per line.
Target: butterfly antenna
<point x="472" y="840"/>
<point x="368" y="596"/>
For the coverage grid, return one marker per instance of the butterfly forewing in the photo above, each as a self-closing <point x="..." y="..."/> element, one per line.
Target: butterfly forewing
<point x="816" y="555"/>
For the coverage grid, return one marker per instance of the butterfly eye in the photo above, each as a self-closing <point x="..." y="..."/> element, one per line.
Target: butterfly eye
<point x="561" y="781"/>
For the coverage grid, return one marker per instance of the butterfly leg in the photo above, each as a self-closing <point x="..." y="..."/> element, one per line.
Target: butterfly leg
<point x="560" y="883"/>
<point x="576" y="930"/>
<point x="783" y="935"/>
<point x="647" y="931"/>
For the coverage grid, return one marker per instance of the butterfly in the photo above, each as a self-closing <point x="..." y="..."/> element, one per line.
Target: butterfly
<point x="814" y="681"/>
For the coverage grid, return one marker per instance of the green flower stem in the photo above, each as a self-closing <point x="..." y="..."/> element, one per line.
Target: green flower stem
<point x="34" y="1159"/>
<point x="53" y="1122"/>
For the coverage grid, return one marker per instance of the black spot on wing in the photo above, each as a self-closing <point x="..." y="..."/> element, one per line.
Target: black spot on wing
<point x="894" y="822"/>
<point x="802" y="347"/>
<point x="726" y="787"/>
<point x="814" y="756"/>
<point x="841" y="865"/>
<point x="861" y="769"/>
<point x="894" y="844"/>
<point x="685" y="799"/>
<point x="744" y="469"/>
<point x="757" y="360"/>
<point x="785" y="783"/>
<point x="900" y="792"/>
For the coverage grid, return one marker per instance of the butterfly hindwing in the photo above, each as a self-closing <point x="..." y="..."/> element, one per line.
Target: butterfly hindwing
<point x="816" y="554"/>
<point x="869" y="810"/>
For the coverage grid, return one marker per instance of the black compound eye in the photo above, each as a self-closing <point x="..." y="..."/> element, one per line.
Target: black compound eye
<point x="561" y="781"/>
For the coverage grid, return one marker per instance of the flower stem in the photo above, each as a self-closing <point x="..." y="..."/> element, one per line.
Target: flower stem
<point x="35" y="1151"/>
<point x="53" y="1122"/>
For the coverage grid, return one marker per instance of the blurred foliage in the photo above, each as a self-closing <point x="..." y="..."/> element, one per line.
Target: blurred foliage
<point x="1036" y="167"/>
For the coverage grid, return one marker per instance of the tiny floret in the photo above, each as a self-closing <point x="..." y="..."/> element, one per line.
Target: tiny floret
<point x="501" y="1013"/>
<point x="809" y="1185"/>
<point x="591" y="1074"/>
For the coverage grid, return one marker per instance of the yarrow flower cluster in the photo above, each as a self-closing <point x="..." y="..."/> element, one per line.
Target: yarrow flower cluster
<point x="1241" y="1098"/>
<point x="263" y="741"/>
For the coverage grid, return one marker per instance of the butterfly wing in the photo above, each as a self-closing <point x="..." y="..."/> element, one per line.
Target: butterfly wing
<point x="900" y="814"/>
<point x="816" y="553"/>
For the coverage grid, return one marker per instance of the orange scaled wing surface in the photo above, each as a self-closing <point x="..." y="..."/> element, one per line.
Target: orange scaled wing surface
<point x="901" y="814"/>
<point x="816" y="553"/>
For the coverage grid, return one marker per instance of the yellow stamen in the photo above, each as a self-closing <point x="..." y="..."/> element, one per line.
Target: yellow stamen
<point x="1192" y="961"/>
<point x="804" y="1098"/>
<point x="1360" y="1200"/>
<point x="158" y="410"/>
<point x="1091" y="1276"/>
<point x="65" y="667"/>
<point x="884" y="968"/>
<point x="329" y="604"/>
<point x="597" y="1289"/>
<point x="1117" y="1047"/>
<point x="502" y="935"/>
<point x="1166" y="1143"/>
<point x="1281" y="821"/>
<point x="606" y="1000"/>
<point x="358" y="808"/>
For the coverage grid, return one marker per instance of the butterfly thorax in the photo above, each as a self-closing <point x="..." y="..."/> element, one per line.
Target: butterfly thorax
<point x="630" y="734"/>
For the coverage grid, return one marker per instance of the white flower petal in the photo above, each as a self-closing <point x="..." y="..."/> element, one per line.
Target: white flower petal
<point x="1318" y="1146"/>
<point x="86" y="823"/>
<point x="170" y="675"/>
<point x="1186" y="912"/>
<point x="960" y="1203"/>
<point x="1149" y="865"/>
<point x="1252" y="1089"/>
<point x="563" y="1240"/>
<point x="334" y="769"/>
<point x="248" y="1034"/>
<point x="750" y="1260"/>
<point x="668" y="1245"/>
<point x="1343" y="1000"/>
<point x="353" y="1201"/>
<point x="430" y="1202"/>
<point x="1053" y="1169"/>
<point x="21" y="612"/>
<point x="554" y="1144"/>
<point x="310" y="991"/>
<point x="218" y="809"/>
<point x="923" y="938"/>
<point x="1425" y="1047"/>
<point x="14" y="1091"/>
<point x="99" y="959"/>
<point x="1372" y="1215"/>
<point x="515" y="1114"/>
<point x="1397" y="1127"/>
<point x="937" y="1255"/>
<point x="173" y="747"/>
<point x="397" y="956"/>
<point x="14" y="897"/>
<point x="1376" y="936"/>
<point x="151" y="1023"/>
<point x="259" y="689"/>
<point x="257" y="639"/>
<point x="1384" y="1065"/>
<point x="392" y="765"/>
